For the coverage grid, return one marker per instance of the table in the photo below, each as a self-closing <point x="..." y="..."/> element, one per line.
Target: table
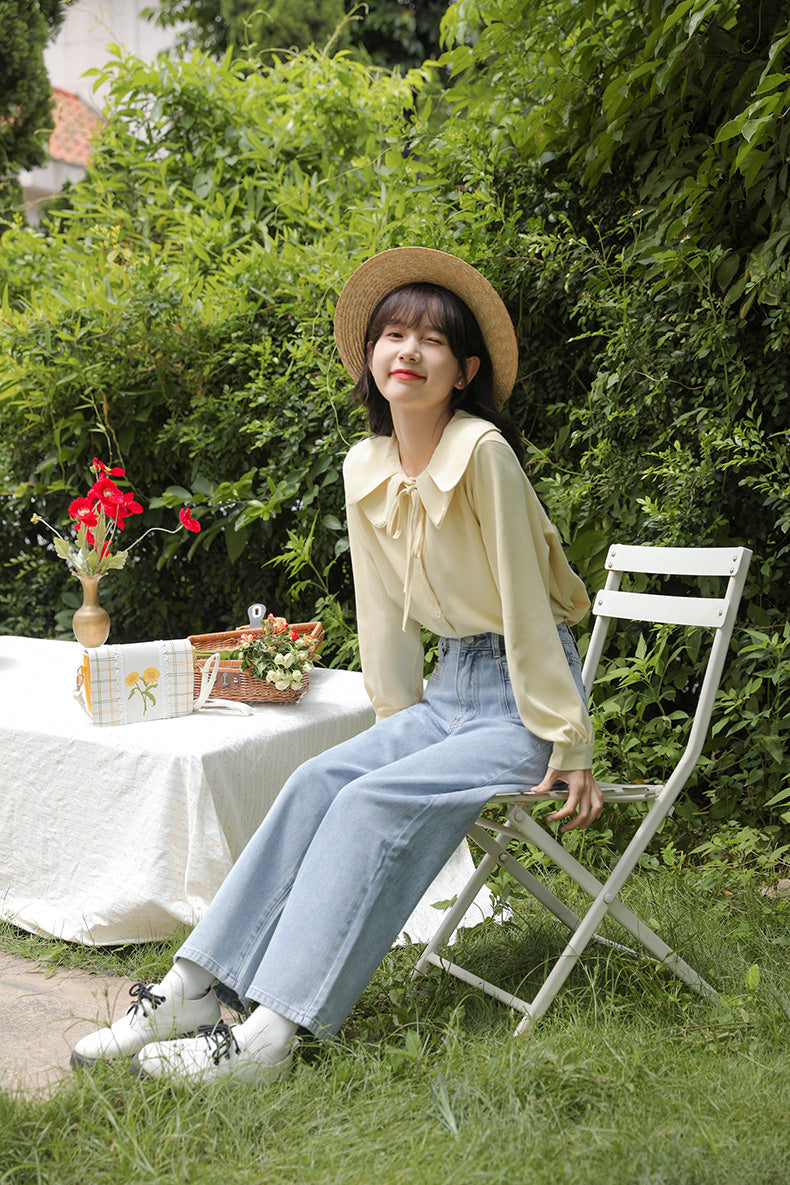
<point x="120" y="834"/>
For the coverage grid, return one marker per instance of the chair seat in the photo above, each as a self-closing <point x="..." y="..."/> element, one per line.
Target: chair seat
<point x="612" y="792"/>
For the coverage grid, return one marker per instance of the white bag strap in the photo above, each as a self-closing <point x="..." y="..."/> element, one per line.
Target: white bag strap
<point x="208" y="678"/>
<point x="79" y="695"/>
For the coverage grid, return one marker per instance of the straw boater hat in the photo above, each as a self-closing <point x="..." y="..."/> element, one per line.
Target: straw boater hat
<point x="383" y="273"/>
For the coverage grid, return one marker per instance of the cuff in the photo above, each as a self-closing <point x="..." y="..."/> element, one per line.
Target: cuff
<point x="572" y="756"/>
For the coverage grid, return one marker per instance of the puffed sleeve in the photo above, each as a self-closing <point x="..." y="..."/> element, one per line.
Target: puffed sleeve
<point x="392" y="656"/>
<point x="537" y="588"/>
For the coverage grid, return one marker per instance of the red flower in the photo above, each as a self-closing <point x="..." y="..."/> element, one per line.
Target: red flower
<point x="81" y="510"/>
<point x="105" y="491"/>
<point x="186" y="519"/>
<point x="132" y="507"/>
<point x="99" y="516"/>
<point x="100" y="468"/>
<point x="294" y="635"/>
<point x="115" y="504"/>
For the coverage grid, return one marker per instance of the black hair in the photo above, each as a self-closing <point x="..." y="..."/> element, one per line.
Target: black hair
<point x="448" y="314"/>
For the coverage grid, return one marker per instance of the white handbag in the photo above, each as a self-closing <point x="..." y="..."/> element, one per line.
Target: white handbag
<point x="142" y="681"/>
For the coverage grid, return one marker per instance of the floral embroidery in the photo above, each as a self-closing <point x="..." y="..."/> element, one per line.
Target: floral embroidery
<point x="144" y="685"/>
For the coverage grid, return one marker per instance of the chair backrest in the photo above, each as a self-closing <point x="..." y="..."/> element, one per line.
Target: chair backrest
<point x="717" y="613"/>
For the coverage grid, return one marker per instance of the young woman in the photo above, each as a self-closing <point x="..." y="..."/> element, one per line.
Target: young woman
<point x="445" y="532"/>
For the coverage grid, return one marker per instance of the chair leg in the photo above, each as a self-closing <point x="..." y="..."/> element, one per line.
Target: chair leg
<point x="495" y="854"/>
<point x="563" y="966"/>
<point x="660" y="951"/>
<point x="480" y="835"/>
<point x="583" y="929"/>
<point x="526" y="827"/>
<point x="531" y="883"/>
<point x="453" y="915"/>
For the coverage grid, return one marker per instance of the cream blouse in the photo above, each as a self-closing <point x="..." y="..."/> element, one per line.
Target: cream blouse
<point x="463" y="548"/>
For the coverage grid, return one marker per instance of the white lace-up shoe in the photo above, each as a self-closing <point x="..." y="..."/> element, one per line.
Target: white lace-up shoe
<point x="213" y="1054"/>
<point x="152" y="1017"/>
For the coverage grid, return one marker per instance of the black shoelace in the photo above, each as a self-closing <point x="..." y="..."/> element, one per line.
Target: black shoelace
<point x="143" y="993"/>
<point x="220" y="1035"/>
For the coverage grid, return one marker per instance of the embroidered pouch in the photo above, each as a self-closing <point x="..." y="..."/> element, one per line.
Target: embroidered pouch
<point x="143" y="681"/>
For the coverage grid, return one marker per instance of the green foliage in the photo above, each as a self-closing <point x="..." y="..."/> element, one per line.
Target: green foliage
<point x="248" y="27"/>
<point x="654" y="383"/>
<point x="396" y="32"/>
<point x="176" y="317"/>
<point x="200" y="22"/>
<point x="687" y="100"/>
<point x="281" y="25"/>
<point x="25" y="95"/>
<point x="209" y="372"/>
<point x="755" y="720"/>
<point x="631" y="714"/>
<point x="387" y="32"/>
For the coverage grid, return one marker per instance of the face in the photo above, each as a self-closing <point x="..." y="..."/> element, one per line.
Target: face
<point x="415" y="367"/>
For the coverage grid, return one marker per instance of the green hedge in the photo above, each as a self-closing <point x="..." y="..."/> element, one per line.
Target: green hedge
<point x="175" y="317"/>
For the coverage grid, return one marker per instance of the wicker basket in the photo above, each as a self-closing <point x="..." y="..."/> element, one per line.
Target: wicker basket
<point x="235" y="684"/>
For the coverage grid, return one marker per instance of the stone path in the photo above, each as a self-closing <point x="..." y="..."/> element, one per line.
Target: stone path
<point x="43" y="1013"/>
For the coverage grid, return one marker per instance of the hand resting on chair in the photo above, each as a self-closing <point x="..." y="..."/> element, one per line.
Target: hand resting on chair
<point x="584" y="796"/>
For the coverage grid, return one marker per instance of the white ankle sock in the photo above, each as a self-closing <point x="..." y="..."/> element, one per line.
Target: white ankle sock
<point x="187" y="980"/>
<point x="266" y="1034"/>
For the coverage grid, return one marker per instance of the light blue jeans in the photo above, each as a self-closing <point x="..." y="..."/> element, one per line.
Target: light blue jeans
<point x="357" y="834"/>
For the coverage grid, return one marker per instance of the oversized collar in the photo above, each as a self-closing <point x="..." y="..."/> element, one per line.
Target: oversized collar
<point x="373" y="467"/>
<point x="398" y="504"/>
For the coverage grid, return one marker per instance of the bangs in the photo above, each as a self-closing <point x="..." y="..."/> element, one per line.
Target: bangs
<point x="443" y="310"/>
<point x="410" y="305"/>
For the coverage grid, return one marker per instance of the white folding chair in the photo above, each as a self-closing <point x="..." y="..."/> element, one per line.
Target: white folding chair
<point x="494" y="837"/>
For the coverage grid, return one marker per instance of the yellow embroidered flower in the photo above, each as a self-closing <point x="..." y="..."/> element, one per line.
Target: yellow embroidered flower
<point x="132" y="678"/>
<point x="150" y="674"/>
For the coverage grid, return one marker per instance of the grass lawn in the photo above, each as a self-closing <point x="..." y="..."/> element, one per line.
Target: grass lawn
<point x="628" y="1080"/>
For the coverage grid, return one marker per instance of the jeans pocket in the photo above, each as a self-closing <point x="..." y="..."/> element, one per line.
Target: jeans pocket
<point x="507" y="697"/>
<point x="435" y="679"/>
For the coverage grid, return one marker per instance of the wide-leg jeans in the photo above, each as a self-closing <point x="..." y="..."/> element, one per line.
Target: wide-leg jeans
<point x="358" y="833"/>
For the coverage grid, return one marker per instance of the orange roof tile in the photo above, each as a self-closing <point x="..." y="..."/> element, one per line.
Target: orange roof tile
<point x="75" y="125"/>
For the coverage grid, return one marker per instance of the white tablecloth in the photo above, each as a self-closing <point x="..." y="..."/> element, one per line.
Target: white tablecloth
<point x="112" y="835"/>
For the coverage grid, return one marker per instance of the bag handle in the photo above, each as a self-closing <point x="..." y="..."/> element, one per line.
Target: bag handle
<point x="208" y="677"/>
<point x="79" y="694"/>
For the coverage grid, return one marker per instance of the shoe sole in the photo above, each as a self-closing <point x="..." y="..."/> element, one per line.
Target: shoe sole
<point x="78" y="1061"/>
<point x="283" y="1067"/>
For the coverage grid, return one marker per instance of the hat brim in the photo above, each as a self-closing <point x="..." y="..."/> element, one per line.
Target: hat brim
<point x="391" y="269"/>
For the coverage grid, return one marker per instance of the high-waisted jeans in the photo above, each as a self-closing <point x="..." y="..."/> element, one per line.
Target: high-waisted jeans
<point x="357" y="834"/>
